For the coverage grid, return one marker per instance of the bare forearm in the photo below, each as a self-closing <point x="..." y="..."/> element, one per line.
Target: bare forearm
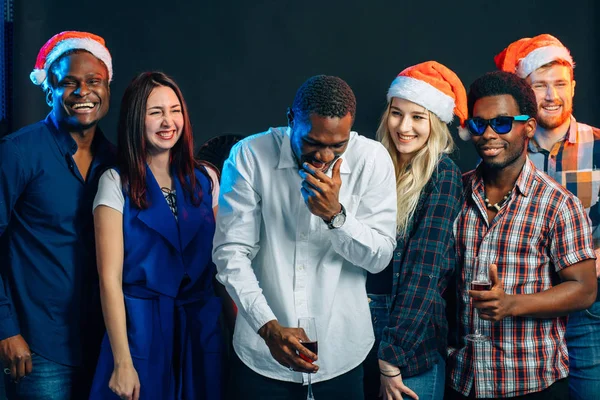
<point x="557" y="301"/>
<point x="113" y="308"/>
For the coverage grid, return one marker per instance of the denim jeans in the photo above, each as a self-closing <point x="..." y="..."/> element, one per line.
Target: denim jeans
<point x="47" y="381"/>
<point x="583" y="342"/>
<point x="428" y="386"/>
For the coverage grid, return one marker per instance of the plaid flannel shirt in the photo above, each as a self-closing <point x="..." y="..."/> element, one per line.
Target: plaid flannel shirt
<point x="422" y="263"/>
<point x="574" y="162"/>
<point x="541" y="229"/>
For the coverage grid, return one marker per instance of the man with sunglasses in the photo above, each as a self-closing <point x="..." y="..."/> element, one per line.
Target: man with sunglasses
<point x="534" y="234"/>
<point x="569" y="152"/>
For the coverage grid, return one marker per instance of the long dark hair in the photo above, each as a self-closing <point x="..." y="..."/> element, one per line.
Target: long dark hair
<point x="131" y="153"/>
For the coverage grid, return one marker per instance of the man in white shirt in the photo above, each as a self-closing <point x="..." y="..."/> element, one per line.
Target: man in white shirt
<point x="305" y="211"/>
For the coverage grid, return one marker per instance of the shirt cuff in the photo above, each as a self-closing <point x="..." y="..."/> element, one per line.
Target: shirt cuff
<point x="8" y="326"/>
<point x="260" y="317"/>
<point x="388" y="352"/>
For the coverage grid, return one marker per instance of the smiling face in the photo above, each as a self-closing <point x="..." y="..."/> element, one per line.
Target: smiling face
<point x="164" y="120"/>
<point x="499" y="151"/>
<point x="409" y="126"/>
<point x="79" y="93"/>
<point x="319" y="140"/>
<point x="554" y="89"/>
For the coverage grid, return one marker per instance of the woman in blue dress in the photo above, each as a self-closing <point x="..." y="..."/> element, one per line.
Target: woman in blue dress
<point x="154" y="227"/>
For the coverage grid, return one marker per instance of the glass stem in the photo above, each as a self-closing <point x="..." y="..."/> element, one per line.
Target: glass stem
<point x="309" y="395"/>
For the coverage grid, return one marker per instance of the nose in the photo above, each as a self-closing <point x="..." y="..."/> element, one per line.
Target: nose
<point x="167" y="120"/>
<point x="489" y="133"/>
<point x="405" y="124"/>
<point x="83" y="90"/>
<point x="325" y="155"/>
<point x="551" y="93"/>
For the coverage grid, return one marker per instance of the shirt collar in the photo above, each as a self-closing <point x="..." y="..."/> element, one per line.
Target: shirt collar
<point x="523" y="184"/>
<point x="287" y="159"/>
<point x="101" y="147"/>
<point x="570" y="136"/>
<point x="65" y="141"/>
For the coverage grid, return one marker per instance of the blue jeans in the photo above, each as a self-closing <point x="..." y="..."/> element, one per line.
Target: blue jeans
<point x="583" y="342"/>
<point x="428" y="386"/>
<point x="47" y="381"/>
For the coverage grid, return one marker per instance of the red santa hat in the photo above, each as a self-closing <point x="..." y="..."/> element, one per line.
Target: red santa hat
<point x="66" y="41"/>
<point x="435" y="87"/>
<point x="528" y="54"/>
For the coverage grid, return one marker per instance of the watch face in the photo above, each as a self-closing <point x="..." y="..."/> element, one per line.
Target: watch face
<point x="338" y="220"/>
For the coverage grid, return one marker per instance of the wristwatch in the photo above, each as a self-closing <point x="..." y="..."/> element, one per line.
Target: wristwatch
<point x="338" y="219"/>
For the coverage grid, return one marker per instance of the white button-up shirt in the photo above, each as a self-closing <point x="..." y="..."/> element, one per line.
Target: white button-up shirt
<point x="279" y="261"/>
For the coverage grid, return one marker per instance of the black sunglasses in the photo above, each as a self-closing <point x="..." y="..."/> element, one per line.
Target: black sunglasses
<point x="500" y="125"/>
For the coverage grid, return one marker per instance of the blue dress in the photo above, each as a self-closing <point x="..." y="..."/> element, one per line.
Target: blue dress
<point x="172" y="311"/>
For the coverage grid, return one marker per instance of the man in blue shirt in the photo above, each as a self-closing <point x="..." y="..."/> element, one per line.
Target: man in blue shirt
<point x="48" y="179"/>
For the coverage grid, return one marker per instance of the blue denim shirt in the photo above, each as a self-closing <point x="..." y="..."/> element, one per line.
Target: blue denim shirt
<point x="48" y="274"/>
<point x="423" y="262"/>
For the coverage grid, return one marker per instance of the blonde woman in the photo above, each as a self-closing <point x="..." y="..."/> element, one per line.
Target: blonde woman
<point x="408" y="310"/>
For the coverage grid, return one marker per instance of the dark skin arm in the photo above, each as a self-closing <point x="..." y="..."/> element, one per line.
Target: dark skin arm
<point x="284" y="344"/>
<point x="16" y="356"/>
<point x="576" y="292"/>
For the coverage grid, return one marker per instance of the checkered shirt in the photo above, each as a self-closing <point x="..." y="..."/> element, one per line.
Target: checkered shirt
<point x="574" y="162"/>
<point x="540" y="230"/>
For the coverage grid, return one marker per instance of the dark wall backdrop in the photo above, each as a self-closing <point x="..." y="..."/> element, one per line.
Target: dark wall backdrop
<point x="239" y="63"/>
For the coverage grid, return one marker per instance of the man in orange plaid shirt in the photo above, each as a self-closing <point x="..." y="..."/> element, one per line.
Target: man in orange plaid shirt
<point x="569" y="152"/>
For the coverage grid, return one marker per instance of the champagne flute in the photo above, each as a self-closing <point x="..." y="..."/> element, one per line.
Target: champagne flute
<point x="481" y="281"/>
<point x="312" y="344"/>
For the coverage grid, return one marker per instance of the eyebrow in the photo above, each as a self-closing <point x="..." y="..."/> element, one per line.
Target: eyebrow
<point x="410" y="112"/>
<point x="161" y="107"/>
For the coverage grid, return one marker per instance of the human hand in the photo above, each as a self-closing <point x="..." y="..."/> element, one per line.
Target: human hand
<point x="285" y="346"/>
<point x="597" y="251"/>
<point x="124" y="382"/>
<point x="320" y="192"/>
<point x="494" y="304"/>
<point x="16" y="357"/>
<point x="392" y="387"/>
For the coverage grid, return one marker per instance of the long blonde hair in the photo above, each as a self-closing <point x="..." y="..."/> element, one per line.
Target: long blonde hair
<point x="412" y="177"/>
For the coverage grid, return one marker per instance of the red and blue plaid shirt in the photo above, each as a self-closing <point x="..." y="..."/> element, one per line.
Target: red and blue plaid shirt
<point x="540" y="230"/>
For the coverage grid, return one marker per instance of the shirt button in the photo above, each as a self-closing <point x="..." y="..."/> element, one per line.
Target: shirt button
<point x="397" y="274"/>
<point x="398" y="254"/>
<point x="302" y="236"/>
<point x="300" y="267"/>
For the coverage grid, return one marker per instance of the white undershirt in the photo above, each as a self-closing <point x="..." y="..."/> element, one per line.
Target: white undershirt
<point x="110" y="192"/>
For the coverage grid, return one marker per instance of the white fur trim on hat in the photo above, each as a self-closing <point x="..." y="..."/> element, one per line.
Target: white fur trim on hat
<point x="464" y="134"/>
<point x="541" y="56"/>
<point x="423" y="94"/>
<point x="90" y="45"/>
<point x="37" y="76"/>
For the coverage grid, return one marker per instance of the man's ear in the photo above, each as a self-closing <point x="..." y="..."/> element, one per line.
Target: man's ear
<point x="290" y="117"/>
<point x="530" y="127"/>
<point x="49" y="97"/>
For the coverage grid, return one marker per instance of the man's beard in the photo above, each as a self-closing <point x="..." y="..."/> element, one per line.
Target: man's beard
<point x="549" y="123"/>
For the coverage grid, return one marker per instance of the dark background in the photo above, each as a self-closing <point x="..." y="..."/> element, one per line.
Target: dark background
<point x="239" y="63"/>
